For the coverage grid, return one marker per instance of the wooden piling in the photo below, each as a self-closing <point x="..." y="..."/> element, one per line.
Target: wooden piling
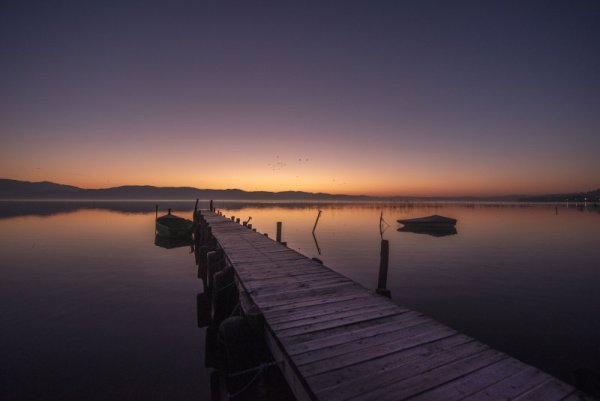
<point x="383" y="269"/>
<point x="214" y="264"/>
<point x="279" y="226"/>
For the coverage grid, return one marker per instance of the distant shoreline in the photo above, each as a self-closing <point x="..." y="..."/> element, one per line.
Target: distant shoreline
<point x="23" y="190"/>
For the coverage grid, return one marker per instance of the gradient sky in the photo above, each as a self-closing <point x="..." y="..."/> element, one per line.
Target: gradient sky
<point x="375" y="97"/>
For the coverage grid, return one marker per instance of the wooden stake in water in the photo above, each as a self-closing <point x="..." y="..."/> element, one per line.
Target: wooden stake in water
<point x="279" y="225"/>
<point x="383" y="269"/>
<point x="316" y="221"/>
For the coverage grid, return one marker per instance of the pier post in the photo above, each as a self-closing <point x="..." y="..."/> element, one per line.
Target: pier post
<point x="279" y="225"/>
<point x="214" y="264"/>
<point x="383" y="269"/>
<point x="224" y="294"/>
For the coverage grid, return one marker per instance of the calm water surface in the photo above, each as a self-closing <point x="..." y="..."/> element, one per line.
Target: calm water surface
<point x="92" y="309"/>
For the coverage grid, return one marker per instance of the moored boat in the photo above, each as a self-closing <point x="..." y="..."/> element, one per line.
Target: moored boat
<point x="171" y="226"/>
<point x="434" y="221"/>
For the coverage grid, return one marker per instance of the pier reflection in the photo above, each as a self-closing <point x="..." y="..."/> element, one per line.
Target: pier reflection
<point x="171" y="243"/>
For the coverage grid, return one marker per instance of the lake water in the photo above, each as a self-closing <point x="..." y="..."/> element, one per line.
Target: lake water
<point x="92" y="309"/>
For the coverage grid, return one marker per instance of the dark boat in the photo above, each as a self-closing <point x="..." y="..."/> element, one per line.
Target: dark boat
<point x="434" y="221"/>
<point x="171" y="226"/>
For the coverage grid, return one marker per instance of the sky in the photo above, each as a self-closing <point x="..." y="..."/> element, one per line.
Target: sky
<point x="357" y="97"/>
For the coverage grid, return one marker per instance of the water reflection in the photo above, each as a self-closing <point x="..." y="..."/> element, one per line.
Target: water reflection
<point x="9" y="208"/>
<point x="433" y="231"/>
<point x="170" y="243"/>
<point x="316" y="243"/>
<point x="519" y="277"/>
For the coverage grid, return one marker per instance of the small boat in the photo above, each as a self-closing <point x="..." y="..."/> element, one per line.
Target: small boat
<point x="434" y="221"/>
<point x="171" y="226"/>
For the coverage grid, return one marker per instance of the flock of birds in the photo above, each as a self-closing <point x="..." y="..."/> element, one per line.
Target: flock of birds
<point x="278" y="165"/>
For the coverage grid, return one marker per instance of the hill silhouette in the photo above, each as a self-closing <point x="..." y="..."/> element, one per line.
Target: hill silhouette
<point x="14" y="189"/>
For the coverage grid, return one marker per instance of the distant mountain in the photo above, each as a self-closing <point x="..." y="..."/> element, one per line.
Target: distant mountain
<point x="13" y="189"/>
<point x="45" y="189"/>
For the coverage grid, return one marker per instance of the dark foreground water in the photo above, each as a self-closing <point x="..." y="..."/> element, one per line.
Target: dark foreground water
<point x="92" y="309"/>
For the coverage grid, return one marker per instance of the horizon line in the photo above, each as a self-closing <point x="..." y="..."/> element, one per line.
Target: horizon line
<point x="383" y="197"/>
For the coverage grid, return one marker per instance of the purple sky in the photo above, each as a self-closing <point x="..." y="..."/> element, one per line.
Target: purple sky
<point x="376" y="97"/>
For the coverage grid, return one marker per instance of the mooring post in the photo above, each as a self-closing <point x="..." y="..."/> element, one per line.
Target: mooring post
<point x="224" y="294"/>
<point x="383" y="269"/>
<point x="212" y="209"/>
<point x="214" y="264"/>
<point x="237" y="220"/>
<point x="232" y="218"/>
<point x="279" y="225"/>
<point x="316" y="221"/>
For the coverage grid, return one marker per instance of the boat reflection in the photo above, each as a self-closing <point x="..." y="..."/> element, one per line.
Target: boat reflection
<point x="433" y="231"/>
<point x="170" y="243"/>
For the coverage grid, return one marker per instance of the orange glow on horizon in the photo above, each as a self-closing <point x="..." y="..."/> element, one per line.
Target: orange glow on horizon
<point x="289" y="163"/>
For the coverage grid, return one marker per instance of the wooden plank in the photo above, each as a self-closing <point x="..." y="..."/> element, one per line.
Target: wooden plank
<point x="304" y="294"/>
<point x="579" y="396"/>
<point x="469" y="384"/>
<point x="376" y="308"/>
<point x="262" y="291"/>
<point x="318" y="310"/>
<point x="314" y="295"/>
<point x="511" y="387"/>
<point x="363" y="317"/>
<point x="349" y="335"/>
<point x="357" y="328"/>
<point x="284" y="277"/>
<point x="552" y="390"/>
<point x="364" y="344"/>
<point x="284" y="282"/>
<point x="433" y="378"/>
<point x="355" y="380"/>
<point x="374" y="351"/>
<point x="283" y="310"/>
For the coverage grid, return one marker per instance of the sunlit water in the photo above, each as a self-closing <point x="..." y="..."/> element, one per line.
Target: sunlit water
<point x="92" y="309"/>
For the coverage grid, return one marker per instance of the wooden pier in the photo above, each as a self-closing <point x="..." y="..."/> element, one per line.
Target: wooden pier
<point x="335" y="340"/>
